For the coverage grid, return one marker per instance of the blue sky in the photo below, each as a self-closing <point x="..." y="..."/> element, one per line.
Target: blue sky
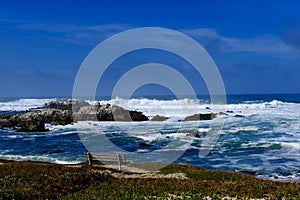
<point x="255" y="44"/>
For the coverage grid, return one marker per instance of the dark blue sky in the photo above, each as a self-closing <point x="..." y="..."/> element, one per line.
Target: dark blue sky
<point x="255" y="44"/>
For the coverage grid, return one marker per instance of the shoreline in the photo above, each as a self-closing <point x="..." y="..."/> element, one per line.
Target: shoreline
<point x="236" y="139"/>
<point x="140" y="168"/>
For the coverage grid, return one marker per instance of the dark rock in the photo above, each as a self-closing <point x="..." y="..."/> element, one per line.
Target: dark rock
<point x="107" y="113"/>
<point x="239" y="116"/>
<point x="66" y="104"/>
<point x="252" y="173"/>
<point x="159" y="118"/>
<point x="229" y="111"/>
<point x="222" y="113"/>
<point x="120" y="114"/>
<point x="144" y="144"/>
<point x="7" y="123"/>
<point x="196" y="117"/>
<point x="62" y="112"/>
<point x="27" y="122"/>
<point x="31" y="126"/>
<point x="86" y="113"/>
<point x="138" y="116"/>
<point x="192" y="134"/>
<point x="188" y="131"/>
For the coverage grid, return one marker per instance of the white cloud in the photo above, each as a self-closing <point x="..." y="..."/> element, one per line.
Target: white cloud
<point x="76" y="34"/>
<point x="209" y="38"/>
<point x="214" y="41"/>
<point x="67" y="28"/>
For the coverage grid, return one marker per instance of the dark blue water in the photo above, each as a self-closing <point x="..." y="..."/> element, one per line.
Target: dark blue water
<point x="260" y="135"/>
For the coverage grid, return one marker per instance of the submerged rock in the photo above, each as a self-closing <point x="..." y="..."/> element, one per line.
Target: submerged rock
<point x="145" y="144"/>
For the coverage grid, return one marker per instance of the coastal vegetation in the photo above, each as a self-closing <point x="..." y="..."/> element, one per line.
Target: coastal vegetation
<point x="37" y="180"/>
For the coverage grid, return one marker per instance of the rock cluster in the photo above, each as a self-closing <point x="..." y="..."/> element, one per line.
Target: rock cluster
<point x="64" y="112"/>
<point x="107" y="113"/>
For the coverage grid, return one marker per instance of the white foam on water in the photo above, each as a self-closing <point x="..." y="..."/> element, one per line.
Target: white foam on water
<point x="277" y="177"/>
<point x="37" y="158"/>
<point x="259" y="144"/>
<point x="169" y="108"/>
<point x="150" y="137"/>
<point x="204" y="130"/>
<point x="244" y="128"/>
<point x="14" y="136"/>
<point x="291" y="145"/>
<point x="279" y="118"/>
<point x="23" y="104"/>
<point x="177" y="109"/>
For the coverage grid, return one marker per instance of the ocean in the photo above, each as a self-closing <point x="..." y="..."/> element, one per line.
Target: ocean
<point x="260" y="134"/>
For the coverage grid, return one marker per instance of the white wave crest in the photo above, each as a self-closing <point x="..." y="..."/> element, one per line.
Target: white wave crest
<point x="23" y="104"/>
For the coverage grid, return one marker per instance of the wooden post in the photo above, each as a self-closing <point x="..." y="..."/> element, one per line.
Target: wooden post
<point x="119" y="161"/>
<point x="89" y="158"/>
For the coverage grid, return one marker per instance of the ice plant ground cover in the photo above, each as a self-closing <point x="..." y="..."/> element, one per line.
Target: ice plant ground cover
<point x="37" y="180"/>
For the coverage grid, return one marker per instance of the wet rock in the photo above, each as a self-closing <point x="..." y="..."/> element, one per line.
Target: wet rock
<point x="159" y="118"/>
<point x="27" y="122"/>
<point x="62" y="112"/>
<point x="107" y="113"/>
<point x="145" y="144"/>
<point x="241" y="116"/>
<point x="85" y="113"/>
<point x="31" y="126"/>
<point x="222" y="113"/>
<point x="97" y="104"/>
<point x="197" y="117"/>
<point x="66" y="104"/>
<point x="137" y="116"/>
<point x="192" y="134"/>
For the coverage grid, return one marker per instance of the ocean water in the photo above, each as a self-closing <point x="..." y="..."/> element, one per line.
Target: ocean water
<point x="260" y="134"/>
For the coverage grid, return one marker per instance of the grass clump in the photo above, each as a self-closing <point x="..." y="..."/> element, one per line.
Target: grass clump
<point x="29" y="180"/>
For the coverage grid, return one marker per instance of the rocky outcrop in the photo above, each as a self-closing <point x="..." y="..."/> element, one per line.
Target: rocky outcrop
<point x="159" y="118"/>
<point x="64" y="112"/>
<point x="34" y="120"/>
<point x="66" y="104"/>
<point x="197" y="117"/>
<point x="20" y="122"/>
<point x="107" y="113"/>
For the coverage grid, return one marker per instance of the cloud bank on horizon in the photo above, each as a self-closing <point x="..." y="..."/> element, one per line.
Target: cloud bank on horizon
<point x="256" y="45"/>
